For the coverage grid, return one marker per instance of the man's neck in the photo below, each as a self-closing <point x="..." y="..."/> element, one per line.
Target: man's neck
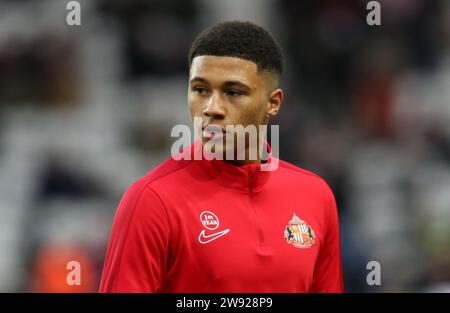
<point x="247" y="159"/>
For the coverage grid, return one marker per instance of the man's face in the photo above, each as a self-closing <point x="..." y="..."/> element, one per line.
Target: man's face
<point x="230" y="91"/>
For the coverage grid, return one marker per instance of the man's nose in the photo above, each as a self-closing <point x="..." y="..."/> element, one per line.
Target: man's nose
<point x="214" y="108"/>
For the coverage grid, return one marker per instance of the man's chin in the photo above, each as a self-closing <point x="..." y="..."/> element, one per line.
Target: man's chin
<point x="213" y="149"/>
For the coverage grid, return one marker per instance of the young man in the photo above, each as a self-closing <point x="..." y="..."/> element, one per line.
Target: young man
<point x="227" y="225"/>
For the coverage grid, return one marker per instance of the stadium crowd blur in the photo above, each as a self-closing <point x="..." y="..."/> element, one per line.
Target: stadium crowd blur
<point x="86" y="110"/>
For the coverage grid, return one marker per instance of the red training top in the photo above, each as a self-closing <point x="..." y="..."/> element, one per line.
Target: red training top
<point x="210" y="226"/>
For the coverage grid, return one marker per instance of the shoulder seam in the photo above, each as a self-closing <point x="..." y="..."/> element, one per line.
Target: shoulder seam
<point x="141" y="192"/>
<point x="163" y="204"/>
<point x="133" y="214"/>
<point x="167" y="217"/>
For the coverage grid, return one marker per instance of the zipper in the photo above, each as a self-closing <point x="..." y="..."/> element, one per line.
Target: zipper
<point x="260" y="232"/>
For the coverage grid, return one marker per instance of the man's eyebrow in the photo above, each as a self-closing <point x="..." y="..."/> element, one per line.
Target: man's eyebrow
<point x="199" y="79"/>
<point x="237" y="83"/>
<point x="229" y="83"/>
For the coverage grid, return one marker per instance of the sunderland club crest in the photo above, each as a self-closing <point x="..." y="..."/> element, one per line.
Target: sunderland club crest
<point x="299" y="234"/>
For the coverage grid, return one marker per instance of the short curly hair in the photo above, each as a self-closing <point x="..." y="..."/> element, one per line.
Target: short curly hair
<point x="239" y="39"/>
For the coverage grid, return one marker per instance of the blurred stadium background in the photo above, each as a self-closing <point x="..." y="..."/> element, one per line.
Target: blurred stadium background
<point x="86" y="110"/>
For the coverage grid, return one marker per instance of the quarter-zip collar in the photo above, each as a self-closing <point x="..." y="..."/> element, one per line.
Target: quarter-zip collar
<point x="247" y="178"/>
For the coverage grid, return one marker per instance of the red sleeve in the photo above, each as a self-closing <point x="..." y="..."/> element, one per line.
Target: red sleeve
<point x="138" y="245"/>
<point x="328" y="275"/>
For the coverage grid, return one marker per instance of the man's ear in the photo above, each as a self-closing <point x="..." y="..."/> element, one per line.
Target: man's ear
<point x="275" y="100"/>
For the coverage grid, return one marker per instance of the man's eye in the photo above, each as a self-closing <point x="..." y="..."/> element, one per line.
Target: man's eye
<point x="200" y="90"/>
<point x="233" y="93"/>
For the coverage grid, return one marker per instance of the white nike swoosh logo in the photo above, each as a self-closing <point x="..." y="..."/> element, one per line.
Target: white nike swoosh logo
<point x="203" y="238"/>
